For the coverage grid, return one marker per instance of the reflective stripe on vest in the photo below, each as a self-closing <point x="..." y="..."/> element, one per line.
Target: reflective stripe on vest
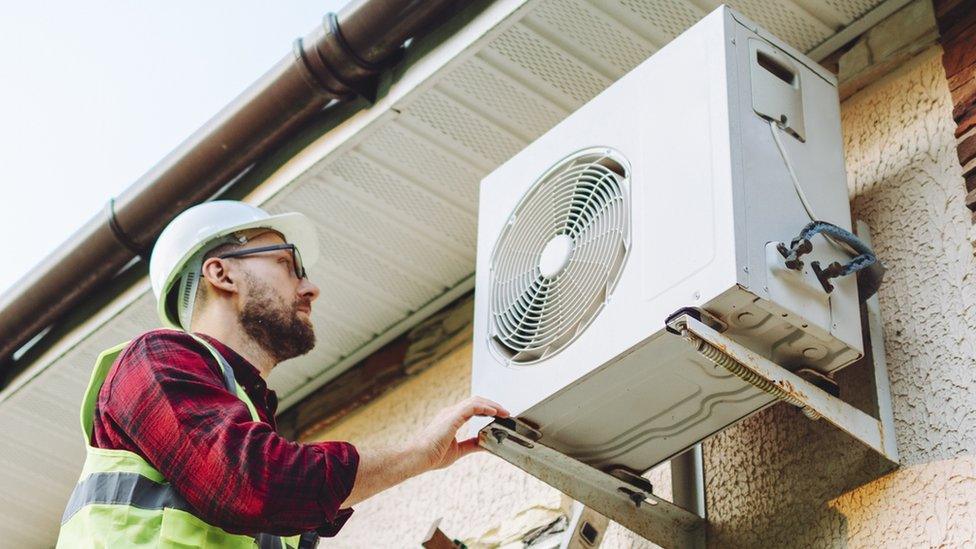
<point x="115" y="488"/>
<point x="115" y="480"/>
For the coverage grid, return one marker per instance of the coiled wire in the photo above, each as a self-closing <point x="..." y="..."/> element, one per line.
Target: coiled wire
<point x="719" y="357"/>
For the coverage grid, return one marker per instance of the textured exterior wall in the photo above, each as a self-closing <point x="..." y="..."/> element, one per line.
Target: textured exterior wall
<point x="777" y="479"/>
<point x="768" y="478"/>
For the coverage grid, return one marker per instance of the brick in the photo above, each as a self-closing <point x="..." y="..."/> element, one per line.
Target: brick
<point x="967" y="150"/>
<point x="960" y="51"/>
<point x="970" y="178"/>
<point x="971" y="201"/>
<point x="963" y="87"/>
<point x="963" y="100"/>
<point x="966" y="121"/>
<point x="962" y="78"/>
<point x="954" y="17"/>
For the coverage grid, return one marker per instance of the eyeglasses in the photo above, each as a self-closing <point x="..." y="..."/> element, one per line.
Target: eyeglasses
<point x="295" y="256"/>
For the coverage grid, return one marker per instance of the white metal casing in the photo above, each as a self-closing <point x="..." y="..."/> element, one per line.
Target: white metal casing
<point x="710" y="195"/>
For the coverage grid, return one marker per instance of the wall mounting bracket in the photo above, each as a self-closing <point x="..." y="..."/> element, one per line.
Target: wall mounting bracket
<point x="629" y="503"/>
<point x="875" y="433"/>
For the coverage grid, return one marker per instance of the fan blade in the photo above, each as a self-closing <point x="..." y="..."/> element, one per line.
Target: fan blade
<point x="527" y="311"/>
<point x="594" y="198"/>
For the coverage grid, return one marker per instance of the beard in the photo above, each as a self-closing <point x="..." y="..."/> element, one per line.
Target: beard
<point x="274" y="324"/>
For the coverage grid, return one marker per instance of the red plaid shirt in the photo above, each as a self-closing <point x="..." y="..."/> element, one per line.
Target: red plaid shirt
<point x="165" y="399"/>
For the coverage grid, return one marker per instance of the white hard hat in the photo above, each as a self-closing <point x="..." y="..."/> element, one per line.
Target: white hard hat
<point x="183" y="243"/>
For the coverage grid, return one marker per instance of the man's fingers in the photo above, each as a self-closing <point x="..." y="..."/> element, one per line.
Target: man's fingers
<point x="470" y="410"/>
<point x="470" y="407"/>
<point x="488" y="402"/>
<point x="468" y="446"/>
<point x="495" y="408"/>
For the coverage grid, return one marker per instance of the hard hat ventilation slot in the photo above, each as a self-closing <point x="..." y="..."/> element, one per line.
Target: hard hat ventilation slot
<point x="188" y="291"/>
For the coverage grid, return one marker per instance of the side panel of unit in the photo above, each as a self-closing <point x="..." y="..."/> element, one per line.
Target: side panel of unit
<point x="765" y="193"/>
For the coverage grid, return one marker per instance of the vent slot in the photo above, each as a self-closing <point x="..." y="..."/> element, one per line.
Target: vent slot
<point x="776" y="68"/>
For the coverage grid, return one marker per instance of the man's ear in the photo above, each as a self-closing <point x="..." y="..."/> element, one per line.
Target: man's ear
<point x="216" y="272"/>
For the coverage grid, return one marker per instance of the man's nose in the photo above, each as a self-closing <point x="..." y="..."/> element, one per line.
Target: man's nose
<point x="308" y="289"/>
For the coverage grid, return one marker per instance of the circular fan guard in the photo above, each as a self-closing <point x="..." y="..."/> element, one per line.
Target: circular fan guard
<point x="559" y="257"/>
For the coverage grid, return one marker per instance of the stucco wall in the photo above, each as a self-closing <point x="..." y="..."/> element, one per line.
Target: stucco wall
<point x="777" y="479"/>
<point x="768" y="477"/>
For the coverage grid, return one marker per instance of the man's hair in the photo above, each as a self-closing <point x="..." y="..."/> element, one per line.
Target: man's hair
<point x="202" y="295"/>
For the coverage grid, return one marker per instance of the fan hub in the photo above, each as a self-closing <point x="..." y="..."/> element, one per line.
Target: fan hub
<point x="555" y="255"/>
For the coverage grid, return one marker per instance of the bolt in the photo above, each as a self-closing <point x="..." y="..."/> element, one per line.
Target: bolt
<point x="782" y="249"/>
<point x="499" y="435"/>
<point x="637" y="498"/>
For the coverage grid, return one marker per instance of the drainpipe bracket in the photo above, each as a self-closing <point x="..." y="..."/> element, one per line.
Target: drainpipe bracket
<point x="120" y="234"/>
<point x="368" y="87"/>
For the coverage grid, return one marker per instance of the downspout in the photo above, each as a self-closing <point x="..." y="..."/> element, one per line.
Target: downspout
<point x="338" y="60"/>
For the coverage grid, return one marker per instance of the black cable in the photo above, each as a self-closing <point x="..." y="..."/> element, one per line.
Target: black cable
<point x="865" y="260"/>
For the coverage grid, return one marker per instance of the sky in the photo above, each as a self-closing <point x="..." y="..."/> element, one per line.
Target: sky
<point x="93" y="93"/>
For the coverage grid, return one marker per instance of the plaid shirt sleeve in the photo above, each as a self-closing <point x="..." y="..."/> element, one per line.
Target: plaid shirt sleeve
<point x="165" y="400"/>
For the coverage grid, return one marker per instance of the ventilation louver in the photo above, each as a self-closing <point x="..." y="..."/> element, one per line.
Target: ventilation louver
<point x="560" y="255"/>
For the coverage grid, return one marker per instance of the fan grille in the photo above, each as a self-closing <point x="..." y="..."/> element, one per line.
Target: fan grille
<point x="560" y="255"/>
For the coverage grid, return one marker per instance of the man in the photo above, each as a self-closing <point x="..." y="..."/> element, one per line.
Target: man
<point x="182" y="449"/>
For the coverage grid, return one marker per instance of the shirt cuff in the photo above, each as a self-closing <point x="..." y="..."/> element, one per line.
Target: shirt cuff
<point x="332" y="528"/>
<point x="341" y="466"/>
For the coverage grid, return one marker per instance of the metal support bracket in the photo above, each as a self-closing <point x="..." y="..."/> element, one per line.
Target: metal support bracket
<point x="626" y="501"/>
<point x="877" y="434"/>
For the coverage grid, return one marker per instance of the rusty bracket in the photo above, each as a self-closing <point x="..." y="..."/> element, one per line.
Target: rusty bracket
<point x="624" y="500"/>
<point x="877" y="434"/>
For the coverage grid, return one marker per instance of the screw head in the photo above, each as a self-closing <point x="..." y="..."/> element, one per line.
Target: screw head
<point x="637" y="498"/>
<point x="499" y="435"/>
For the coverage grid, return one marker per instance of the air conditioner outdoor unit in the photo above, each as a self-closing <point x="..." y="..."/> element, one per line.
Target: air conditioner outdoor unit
<point x="672" y="189"/>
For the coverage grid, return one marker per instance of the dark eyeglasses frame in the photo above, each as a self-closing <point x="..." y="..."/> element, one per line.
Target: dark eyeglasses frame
<point x="296" y="258"/>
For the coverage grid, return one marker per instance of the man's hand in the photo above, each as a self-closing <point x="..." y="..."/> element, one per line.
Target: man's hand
<point x="435" y="447"/>
<point x="438" y="445"/>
